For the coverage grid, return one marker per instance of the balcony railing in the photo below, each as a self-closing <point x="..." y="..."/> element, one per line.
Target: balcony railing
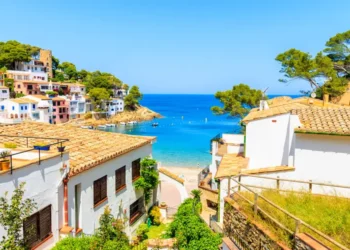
<point x="29" y="142"/>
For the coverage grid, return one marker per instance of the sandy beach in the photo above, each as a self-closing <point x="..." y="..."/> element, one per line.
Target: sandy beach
<point x="189" y="174"/>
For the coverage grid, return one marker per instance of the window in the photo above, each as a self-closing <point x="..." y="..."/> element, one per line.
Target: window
<point x="120" y="179"/>
<point x="21" y="107"/>
<point x="136" y="210"/>
<point x="54" y="110"/>
<point x="4" y="91"/>
<point x="30" y="92"/>
<point x="54" y="103"/>
<point x="100" y="190"/>
<point x="61" y="116"/>
<point x="54" y="117"/>
<point x="13" y="107"/>
<point x="37" y="227"/>
<point x="136" y="169"/>
<point x="33" y="106"/>
<point x="30" y="87"/>
<point x="19" y="86"/>
<point x="2" y="107"/>
<point x="25" y="107"/>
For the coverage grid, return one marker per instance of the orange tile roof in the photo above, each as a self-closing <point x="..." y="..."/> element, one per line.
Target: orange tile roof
<point x="324" y="120"/>
<point x="3" y="87"/>
<point x="87" y="148"/>
<point x="58" y="99"/>
<point x="23" y="100"/>
<point x="284" y="106"/>
<point x="41" y="97"/>
<point x="231" y="164"/>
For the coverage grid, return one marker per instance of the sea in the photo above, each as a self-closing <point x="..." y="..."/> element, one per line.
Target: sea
<point x="184" y="134"/>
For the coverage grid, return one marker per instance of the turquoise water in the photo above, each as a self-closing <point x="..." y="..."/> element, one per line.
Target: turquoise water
<point x="183" y="135"/>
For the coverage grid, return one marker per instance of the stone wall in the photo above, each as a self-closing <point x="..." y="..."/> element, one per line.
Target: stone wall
<point x="236" y="224"/>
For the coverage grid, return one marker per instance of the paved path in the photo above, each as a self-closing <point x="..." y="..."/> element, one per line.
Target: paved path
<point x="170" y="194"/>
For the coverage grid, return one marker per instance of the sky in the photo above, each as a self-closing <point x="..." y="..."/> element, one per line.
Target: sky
<point x="178" y="46"/>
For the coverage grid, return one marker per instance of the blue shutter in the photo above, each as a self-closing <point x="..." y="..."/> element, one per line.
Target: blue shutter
<point x="13" y="107"/>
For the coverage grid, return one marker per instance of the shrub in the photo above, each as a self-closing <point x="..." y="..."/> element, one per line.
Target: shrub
<point x="10" y="145"/>
<point x="78" y="243"/>
<point x="88" y="115"/>
<point x="142" y="231"/>
<point x="155" y="215"/>
<point x="50" y="92"/>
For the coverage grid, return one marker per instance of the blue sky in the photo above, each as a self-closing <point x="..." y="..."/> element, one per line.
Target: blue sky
<point x="178" y="46"/>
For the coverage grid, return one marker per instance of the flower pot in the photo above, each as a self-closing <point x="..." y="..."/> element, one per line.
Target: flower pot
<point x="44" y="148"/>
<point x="5" y="165"/>
<point x="61" y="149"/>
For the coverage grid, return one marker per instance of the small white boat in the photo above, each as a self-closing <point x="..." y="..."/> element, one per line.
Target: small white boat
<point x="102" y="126"/>
<point x="130" y="123"/>
<point x="86" y="127"/>
<point x="122" y="123"/>
<point x="134" y="122"/>
<point x="155" y="124"/>
<point x="110" y="125"/>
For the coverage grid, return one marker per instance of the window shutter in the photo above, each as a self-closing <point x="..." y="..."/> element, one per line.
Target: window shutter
<point x="31" y="229"/>
<point x="123" y="176"/>
<point x="45" y="222"/>
<point x="118" y="179"/>
<point x="103" y="187"/>
<point x="97" y="191"/>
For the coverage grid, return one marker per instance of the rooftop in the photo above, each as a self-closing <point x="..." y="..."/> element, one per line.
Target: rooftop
<point x="231" y="164"/>
<point x="324" y="121"/>
<point x="23" y="100"/>
<point x="41" y="97"/>
<point x="87" y="148"/>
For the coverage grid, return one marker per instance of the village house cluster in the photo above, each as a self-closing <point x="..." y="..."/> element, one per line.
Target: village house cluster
<point x="40" y="103"/>
<point x="73" y="178"/>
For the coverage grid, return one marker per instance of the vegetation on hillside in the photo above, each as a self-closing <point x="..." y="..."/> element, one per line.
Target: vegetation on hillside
<point x="191" y="232"/>
<point x="238" y="101"/>
<point x="328" y="214"/>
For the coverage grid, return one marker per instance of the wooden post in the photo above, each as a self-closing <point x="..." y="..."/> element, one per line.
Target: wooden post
<point x="239" y="180"/>
<point x="278" y="183"/>
<point x="255" y="205"/>
<point x="297" y="227"/>
<point x="229" y="186"/>
<point x="310" y="186"/>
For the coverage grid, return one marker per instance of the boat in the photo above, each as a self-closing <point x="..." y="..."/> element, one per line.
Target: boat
<point x="102" y="126"/>
<point x="155" y="124"/>
<point x="110" y="125"/>
<point x="86" y="127"/>
<point x="130" y="123"/>
<point x="122" y="123"/>
<point x="134" y="122"/>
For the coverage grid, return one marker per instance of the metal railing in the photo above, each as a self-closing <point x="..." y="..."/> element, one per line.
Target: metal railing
<point x="298" y="221"/>
<point x="58" y="141"/>
<point x="278" y="180"/>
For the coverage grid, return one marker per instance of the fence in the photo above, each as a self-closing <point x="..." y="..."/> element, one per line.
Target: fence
<point x="29" y="141"/>
<point x="297" y="222"/>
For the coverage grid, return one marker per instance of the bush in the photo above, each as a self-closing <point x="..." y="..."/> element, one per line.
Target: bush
<point x="50" y="92"/>
<point x="142" y="231"/>
<point x="88" y="115"/>
<point x="10" y="145"/>
<point x="78" y="243"/>
<point x="155" y="215"/>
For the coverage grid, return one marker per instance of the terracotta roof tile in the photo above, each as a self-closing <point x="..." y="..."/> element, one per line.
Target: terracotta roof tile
<point x="231" y="164"/>
<point x="87" y="148"/>
<point x="41" y="97"/>
<point x="324" y="120"/>
<point x="23" y="100"/>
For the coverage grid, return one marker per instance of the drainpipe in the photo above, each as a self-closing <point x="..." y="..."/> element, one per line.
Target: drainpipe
<point x="65" y="200"/>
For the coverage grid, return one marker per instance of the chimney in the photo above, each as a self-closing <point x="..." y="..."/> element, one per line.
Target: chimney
<point x="263" y="105"/>
<point x="325" y="100"/>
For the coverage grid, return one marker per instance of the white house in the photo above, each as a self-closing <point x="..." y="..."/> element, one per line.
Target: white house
<point x="300" y="139"/>
<point x="115" y="106"/>
<point x="77" y="105"/>
<point x="44" y="100"/>
<point x="28" y="75"/>
<point x="102" y="169"/>
<point x="4" y="93"/>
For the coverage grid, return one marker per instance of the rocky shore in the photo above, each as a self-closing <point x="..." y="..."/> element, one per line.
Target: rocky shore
<point x="95" y="119"/>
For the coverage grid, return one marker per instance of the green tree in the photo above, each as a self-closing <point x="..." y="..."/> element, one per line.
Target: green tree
<point x="148" y="180"/>
<point x="238" y="101"/>
<point x="98" y="95"/>
<point x="13" y="212"/>
<point x="196" y="193"/>
<point x="55" y="63"/>
<point x="338" y="51"/>
<point x="131" y="101"/>
<point x="13" y="51"/>
<point x="125" y="86"/>
<point x="69" y="69"/>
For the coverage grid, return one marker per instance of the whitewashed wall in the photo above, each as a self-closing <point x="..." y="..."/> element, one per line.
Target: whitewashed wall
<point x="118" y="202"/>
<point x="268" y="141"/>
<point x="42" y="185"/>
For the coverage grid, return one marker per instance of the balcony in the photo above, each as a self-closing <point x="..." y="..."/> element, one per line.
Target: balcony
<point x="25" y="154"/>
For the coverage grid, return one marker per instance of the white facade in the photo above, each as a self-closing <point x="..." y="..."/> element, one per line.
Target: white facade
<point x="115" y="106"/>
<point x="77" y="106"/>
<point x="118" y="202"/>
<point x="43" y="185"/>
<point x="18" y="75"/>
<point x="13" y="112"/>
<point x="50" y="106"/>
<point x="77" y="89"/>
<point x="4" y="93"/>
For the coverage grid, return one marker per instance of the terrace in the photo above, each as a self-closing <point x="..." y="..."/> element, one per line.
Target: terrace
<point x="25" y="150"/>
<point x="227" y="143"/>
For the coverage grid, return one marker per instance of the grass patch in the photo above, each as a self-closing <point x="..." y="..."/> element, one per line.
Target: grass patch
<point x="328" y="214"/>
<point x="155" y="232"/>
